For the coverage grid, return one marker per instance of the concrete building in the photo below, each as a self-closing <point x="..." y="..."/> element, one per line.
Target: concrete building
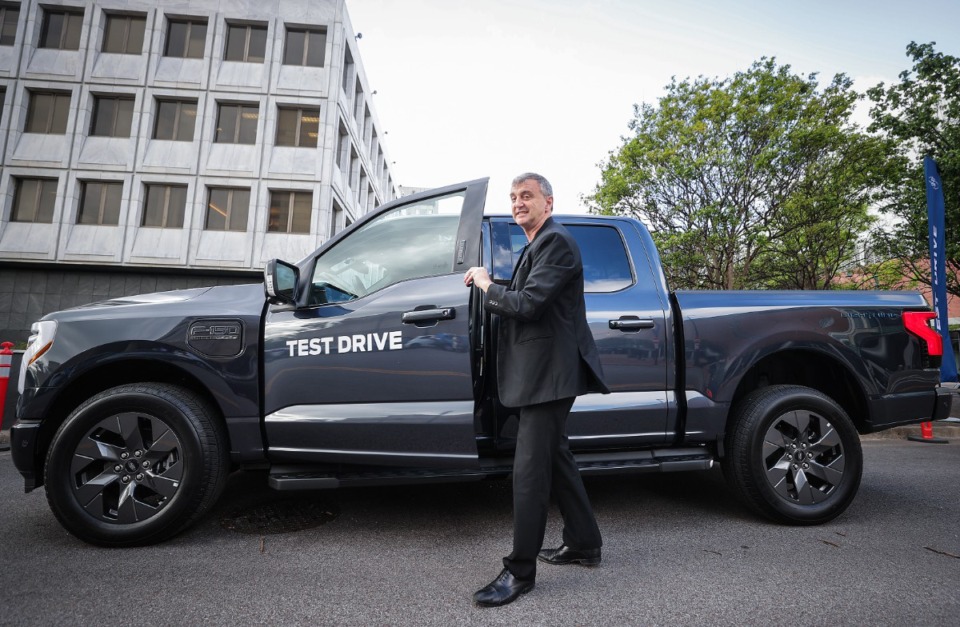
<point x="157" y="144"/>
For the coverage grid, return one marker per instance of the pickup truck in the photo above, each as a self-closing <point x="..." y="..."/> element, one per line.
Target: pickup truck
<point x="369" y="362"/>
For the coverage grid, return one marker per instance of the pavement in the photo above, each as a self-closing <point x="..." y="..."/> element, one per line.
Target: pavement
<point x="678" y="550"/>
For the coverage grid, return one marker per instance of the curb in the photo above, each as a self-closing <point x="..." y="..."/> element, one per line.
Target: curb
<point x="942" y="429"/>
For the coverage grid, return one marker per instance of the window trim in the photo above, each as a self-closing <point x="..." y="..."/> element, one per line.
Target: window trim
<point x="4" y="8"/>
<point x="67" y="12"/>
<point x="306" y="31"/>
<point x="248" y="30"/>
<point x="128" y="19"/>
<point x="104" y="185"/>
<point x="97" y="98"/>
<point x="298" y="139"/>
<point x="291" y="203"/>
<point x="176" y="120"/>
<point x="51" y="115"/>
<point x="230" y="208"/>
<point x="217" y="139"/>
<point x="165" y="217"/>
<point x="18" y="195"/>
<point x="190" y="22"/>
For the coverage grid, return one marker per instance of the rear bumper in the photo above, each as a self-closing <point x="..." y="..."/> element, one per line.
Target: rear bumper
<point x="948" y="401"/>
<point x="897" y="410"/>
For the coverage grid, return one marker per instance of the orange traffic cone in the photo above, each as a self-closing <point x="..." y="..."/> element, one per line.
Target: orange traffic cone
<point x="926" y="435"/>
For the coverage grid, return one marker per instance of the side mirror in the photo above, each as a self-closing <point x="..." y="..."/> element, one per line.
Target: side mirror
<point x="280" y="281"/>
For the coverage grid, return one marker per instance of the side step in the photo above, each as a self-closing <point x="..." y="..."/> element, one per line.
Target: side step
<point x="662" y="460"/>
<point x="312" y="478"/>
<point x="306" y="478"/>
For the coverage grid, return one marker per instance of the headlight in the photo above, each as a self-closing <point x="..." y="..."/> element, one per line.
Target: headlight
<point x="39" y="342"/>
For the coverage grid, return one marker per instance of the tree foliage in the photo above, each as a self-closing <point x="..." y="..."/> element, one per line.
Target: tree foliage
<point x="756" y="180"/>
<point x="922" y="113"/>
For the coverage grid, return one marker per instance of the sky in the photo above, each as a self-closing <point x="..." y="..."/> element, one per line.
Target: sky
<point x="491" y="88"/>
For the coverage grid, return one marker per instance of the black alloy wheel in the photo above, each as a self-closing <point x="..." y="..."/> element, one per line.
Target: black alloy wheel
<point x="136" y="464"/>
<point x="793" y="455"/>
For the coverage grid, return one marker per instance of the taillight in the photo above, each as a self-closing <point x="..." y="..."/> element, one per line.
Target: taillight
<point x="918" y="323"/>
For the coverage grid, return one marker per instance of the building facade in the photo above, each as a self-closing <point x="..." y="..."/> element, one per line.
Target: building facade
<point x="156" y="144"/>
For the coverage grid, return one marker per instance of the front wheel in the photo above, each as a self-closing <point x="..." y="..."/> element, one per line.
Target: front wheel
<point x="793" y="455"/>
<point x="136" y="464"/>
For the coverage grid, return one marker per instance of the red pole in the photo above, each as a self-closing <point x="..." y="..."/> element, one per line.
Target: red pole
<point x="6" y="358"/>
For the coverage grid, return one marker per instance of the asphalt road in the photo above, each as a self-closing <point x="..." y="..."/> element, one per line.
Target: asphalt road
<point x="678" y="551"/>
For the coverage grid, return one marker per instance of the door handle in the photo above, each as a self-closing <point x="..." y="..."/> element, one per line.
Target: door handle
<point x="631" y="324"/>
<point x="428" y="315"/>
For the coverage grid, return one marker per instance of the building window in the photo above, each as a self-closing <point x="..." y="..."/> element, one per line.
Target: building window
<point x="290" y="212"/>
<point x="343" y="147"/>
<point x="123" y="34"/>
<point x="166" y="205"/>
<point x="186" y="38"/>
<point x="246" y="42"/>
<point x="176" y="120"/>
<point x="9" y="17"/>
<point x="358" y="109"/>
<point x="298" y="127"/>
<point x="346" y="85"/>
<point x="354" y="173"/>
<point x="100" y="202"/>
<point x="61" y="28"/>
<point x="305" y="47"/>
<point x="48" y="112"/>
<point x="237" y="124"/>
<point x="112" y="116"/>
<point x="227" y="209"/>
<point x="33" y="200"/>
<point x="336" y="218"/>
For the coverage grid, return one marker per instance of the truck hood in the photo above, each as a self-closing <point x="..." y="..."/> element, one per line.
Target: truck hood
<point x="223" y="300"/>
<point x="173" y="296"/>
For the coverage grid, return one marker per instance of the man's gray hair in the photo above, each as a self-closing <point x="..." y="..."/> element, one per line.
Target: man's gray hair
<point x="545" y="188"/>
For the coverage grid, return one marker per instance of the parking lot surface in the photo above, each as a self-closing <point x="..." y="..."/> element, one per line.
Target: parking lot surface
<point x="678" y="551"/>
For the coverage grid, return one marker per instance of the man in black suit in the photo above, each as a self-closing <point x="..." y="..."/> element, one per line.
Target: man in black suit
<point x="546" y="357"/>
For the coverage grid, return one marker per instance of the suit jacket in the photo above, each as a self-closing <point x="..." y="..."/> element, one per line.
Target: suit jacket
<point x="546" y="351"/>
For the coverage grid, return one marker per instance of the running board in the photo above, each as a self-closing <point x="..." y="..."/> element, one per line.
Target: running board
<point x="663" y="460"/>
<point x="311" y="478"/>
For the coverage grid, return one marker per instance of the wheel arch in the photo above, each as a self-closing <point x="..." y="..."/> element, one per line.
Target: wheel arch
<point x="110" y="375"/>
<point x="810" y="369"/>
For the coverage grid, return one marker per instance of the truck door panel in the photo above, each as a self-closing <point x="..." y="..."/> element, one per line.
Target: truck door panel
<point x="375" y="368"/>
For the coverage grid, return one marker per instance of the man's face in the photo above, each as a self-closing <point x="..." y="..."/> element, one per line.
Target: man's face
<point x="530" y="207"/>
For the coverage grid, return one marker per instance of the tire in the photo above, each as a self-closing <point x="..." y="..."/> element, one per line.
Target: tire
<point x="136" y="464"/>
<point x="793" y="455"/>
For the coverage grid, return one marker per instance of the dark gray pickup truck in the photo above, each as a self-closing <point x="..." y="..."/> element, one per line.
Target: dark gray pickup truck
<point x="369" y="362"/>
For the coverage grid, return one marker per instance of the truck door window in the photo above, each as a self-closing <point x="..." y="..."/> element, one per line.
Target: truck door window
<point x="410" y="241"/>
<point x="606" y="267"/>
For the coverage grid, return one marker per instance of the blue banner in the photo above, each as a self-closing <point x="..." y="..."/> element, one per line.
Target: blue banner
<point x="938" y="264"/>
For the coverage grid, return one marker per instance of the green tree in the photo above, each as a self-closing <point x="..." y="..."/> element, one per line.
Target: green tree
<point x="757" y="180"/>
<point x="922" y="113"/>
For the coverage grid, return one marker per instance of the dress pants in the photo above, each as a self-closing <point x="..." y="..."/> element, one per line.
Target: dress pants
<point x="543" y="465"/>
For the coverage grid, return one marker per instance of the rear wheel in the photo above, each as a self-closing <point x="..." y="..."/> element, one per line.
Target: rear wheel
<point x="136" y="464"/>
<point x="793" y="455"/>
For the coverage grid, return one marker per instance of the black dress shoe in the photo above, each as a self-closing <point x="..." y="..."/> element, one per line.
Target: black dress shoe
<point x="566" y="555"/>
<point x="502" y="590"/>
